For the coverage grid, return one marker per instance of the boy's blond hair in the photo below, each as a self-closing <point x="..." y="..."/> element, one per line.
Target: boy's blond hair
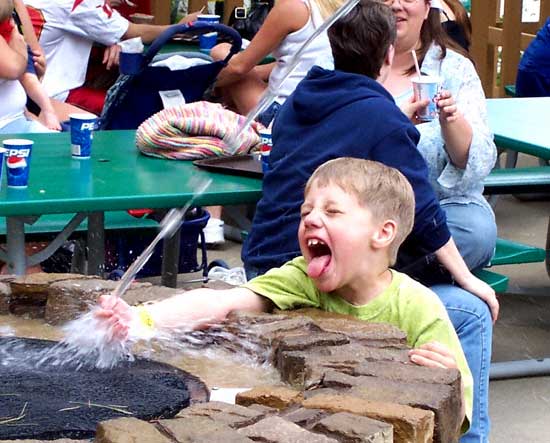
<point x="383" y="190"/>
<point x="6" y="9"/>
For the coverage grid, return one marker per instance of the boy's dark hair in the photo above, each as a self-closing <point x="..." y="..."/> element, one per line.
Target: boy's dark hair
<point x="360" y="40"/>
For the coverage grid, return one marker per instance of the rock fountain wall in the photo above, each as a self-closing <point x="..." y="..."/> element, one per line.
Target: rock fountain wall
<point x="347" y="380"/>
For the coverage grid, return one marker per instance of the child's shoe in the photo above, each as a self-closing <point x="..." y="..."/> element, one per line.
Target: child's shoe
<point x="213" y="232"/>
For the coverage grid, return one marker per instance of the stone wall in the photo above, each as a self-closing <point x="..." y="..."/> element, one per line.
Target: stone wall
<point x="347" y="380"/>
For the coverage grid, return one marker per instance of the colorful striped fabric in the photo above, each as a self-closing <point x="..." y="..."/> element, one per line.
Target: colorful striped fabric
<point x="195" y="130"/>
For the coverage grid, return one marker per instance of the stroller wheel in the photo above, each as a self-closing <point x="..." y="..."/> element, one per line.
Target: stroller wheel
<point x="116" y="274"/>
<point x="217" y="262"/>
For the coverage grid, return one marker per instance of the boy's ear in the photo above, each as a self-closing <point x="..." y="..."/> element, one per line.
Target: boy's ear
<point x="385" y="234"/>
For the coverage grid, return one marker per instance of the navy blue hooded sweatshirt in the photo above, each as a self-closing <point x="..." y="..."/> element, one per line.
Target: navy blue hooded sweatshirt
<point x="335" y="114"/>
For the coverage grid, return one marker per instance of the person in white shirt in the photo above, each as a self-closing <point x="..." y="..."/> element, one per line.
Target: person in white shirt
<point x="67" y="29"/>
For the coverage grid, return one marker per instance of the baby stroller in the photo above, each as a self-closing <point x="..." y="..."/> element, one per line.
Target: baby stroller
<point x="133" y="99"/>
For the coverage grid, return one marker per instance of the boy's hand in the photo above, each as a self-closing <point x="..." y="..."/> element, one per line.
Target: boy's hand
<point x="482" y="290"/>
<point x="448" y="111"/>
<point x="433" y="355"/>
<point x="411" y="108"/>
<point x="116" y="314"/>
<point x="50" y="120"/>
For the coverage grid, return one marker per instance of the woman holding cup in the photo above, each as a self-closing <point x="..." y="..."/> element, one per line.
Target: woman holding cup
<point x="459" y="150"/>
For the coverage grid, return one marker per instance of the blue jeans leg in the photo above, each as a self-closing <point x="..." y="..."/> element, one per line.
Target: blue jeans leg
<point x="474" y="231"/>
<point x="22" y="125"/>
<point x="472" y="321"/>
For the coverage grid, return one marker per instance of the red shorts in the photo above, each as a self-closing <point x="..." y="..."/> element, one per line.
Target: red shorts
<point x="90" y="99"/>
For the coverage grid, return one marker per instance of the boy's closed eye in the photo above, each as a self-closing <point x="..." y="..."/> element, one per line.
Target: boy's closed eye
<point x="334" y="211"/>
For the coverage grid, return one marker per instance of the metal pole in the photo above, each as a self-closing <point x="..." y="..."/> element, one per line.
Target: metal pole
<point x="519" y="368"/>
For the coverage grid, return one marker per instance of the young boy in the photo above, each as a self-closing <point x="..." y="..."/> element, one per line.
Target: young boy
<point x="355" y="215"/>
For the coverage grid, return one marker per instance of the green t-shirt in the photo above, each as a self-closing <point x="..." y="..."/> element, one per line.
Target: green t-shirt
<point x="405" y="303"/>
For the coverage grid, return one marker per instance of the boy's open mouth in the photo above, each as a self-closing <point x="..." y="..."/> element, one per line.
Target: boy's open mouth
<point x="320" y="257"/>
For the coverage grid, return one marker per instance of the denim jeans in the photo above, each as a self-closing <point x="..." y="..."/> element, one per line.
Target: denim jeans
<point x="472" y="321"/>
<point x="474" y="231"/>
<point x="22" y="125"/>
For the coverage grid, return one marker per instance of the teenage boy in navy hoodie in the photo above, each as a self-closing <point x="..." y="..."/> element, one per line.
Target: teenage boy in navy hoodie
<point x="348" y="113"/>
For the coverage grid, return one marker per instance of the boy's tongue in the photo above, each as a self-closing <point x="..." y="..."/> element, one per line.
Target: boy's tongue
<point x="317" y="265"/>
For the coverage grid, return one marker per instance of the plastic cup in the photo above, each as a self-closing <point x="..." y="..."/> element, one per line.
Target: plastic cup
<point x="130" y="63"/>
<point x="208" y="41"/>
<point x="82" y="134"/>
<point x="18" y="161"/>
<point x="266" y="143"/>
<point x="208" y="18"/>
<point x="426" y="87"/>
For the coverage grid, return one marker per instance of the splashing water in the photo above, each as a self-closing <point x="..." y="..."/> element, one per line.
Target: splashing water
<point x="91" y="346"/>
<point x="89" y="339"/>
<point x="169" y="225"/>
<point x="232" y="137"/>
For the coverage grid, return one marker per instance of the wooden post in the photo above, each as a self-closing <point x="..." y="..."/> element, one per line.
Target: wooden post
<point x="161" y="10"/>
<point x="228" y="8"/>
<point x="511" y="43"/>
<point x="544" y="11"/>
<point x="482" y="16"/>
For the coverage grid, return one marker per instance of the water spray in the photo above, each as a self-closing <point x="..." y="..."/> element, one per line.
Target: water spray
<point x="169" y="225"/>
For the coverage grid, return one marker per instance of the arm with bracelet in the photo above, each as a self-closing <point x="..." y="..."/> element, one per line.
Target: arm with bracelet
<point x="188" y="310"/>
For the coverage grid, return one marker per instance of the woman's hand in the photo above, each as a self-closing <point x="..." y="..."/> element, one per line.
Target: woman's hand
<point x="433" y="355"/>
<point x="39" y="60"/>
<point x="111" y="56"/>
<point x="411" y="108"/>
<point x="192" y="17"/>
<point x="448" y="111"/>
<point x="482" y="290"/>
<point x="116" y="314"/>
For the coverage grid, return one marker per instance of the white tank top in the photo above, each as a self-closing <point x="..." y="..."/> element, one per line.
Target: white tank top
<point x="13" y="101"/>
<point x="317" y="53"/>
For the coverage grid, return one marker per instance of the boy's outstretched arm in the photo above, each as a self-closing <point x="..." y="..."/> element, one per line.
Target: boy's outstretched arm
<point x="189" y="310"/>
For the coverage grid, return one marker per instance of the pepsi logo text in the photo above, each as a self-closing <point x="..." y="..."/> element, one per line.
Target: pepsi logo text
<point x="87" y="126"/>
<point x="21" y="153"/>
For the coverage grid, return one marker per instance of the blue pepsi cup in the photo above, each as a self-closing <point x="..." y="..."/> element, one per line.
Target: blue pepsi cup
<point x="266" y="144"/>
<point x="208" y="41"/>
<point x="82" y="134"/>
<point x="426" y="87"/>
<point x="17" y="152"/>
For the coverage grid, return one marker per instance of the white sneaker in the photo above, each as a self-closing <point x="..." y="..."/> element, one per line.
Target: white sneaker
<point x="213" y="232"/>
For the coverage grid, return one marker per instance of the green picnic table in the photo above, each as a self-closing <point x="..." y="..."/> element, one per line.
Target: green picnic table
<point x="116" y="178"/>
<point x="520" y="125"/>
